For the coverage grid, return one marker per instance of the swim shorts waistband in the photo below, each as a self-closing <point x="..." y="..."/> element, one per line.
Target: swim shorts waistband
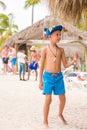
<point x="52" y="73"/>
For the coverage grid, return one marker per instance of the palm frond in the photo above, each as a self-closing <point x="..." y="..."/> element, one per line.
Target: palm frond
<point x="3" y="5"/>
<point x="15" y="26"/>
<point x="29" y="3"/>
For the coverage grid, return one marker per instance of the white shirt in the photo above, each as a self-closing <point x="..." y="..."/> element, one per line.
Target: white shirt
<point x="21" y="57"/>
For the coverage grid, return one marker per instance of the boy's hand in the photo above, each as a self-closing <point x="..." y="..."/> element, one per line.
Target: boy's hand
<point x="75" y="57"/>
<point x="41" y="85"/>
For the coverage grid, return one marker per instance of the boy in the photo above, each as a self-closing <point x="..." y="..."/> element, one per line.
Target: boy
<point x="51" y="56"/>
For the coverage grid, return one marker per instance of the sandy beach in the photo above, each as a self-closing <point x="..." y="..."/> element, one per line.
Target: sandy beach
<point x="21" y="106"/>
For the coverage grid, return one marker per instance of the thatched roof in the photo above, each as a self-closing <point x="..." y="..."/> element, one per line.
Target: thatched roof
<point x="68" y="9"/>
<point x="36" y="31"/>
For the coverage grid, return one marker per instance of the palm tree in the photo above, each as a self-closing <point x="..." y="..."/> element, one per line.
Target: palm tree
<point x="32" y="3"/>
<point x="6" y="27"/>
<point x="2" y="4"/>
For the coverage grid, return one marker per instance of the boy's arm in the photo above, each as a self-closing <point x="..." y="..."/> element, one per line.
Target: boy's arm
<point x="42" y="61"/>
<point x="64" y="59"/>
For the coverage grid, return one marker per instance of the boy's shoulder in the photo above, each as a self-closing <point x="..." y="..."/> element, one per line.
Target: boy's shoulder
<point x="60" y="49"/>
<point x="45" y="48"/>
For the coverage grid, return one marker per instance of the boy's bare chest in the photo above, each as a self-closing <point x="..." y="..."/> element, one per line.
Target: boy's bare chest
<point x="53" y="55"/>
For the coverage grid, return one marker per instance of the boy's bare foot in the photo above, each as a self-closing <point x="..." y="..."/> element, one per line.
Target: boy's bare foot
<point x="63" y="120"/>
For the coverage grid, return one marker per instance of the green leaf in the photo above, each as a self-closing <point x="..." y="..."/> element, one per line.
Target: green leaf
<point x="15" y="26"/>
<point x="29" y="3"/>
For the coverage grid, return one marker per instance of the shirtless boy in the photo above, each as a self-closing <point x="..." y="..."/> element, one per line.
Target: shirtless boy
<point x="52" y="79"/>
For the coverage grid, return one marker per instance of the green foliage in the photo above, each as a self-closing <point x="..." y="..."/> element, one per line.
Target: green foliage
<point x="4" y="21"/>
<point x="29" y="3"/>
<point x="6" y="27"/>
<point x="80" y="25"/>
<point x="3" y="16"/>
<point x="14" y="28"/>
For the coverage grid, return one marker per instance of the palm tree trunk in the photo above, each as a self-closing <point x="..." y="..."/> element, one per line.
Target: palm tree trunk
<point x="32" y="19"/>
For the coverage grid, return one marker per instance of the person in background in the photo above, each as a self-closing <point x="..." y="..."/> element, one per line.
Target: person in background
<point x="33" y="62"/>
<point x="80" y="78"/>
<point x="5" y="58"/>
<point x="12" y="54"/>
<point x="21" y="63"/>
<point x="50" y="75"/>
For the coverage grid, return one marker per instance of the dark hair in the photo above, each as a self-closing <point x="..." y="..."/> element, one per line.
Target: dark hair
<point x="45" y="29"/>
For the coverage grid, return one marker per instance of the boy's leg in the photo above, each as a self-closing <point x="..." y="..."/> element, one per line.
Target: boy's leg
<point x="47" y="103"/>
<point x="61" y="107"/>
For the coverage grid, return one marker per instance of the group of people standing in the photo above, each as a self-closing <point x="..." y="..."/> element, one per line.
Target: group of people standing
<point x="10" y="53"/>
<point x="32" y="62"/>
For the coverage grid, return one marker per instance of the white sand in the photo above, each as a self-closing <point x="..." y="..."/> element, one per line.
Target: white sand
<point x="21" y="106"/>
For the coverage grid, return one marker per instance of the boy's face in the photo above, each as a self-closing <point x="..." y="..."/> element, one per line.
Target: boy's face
<point x="55" y="36"/>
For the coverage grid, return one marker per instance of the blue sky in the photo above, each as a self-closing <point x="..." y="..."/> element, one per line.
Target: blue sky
<point x="22" y="17"/>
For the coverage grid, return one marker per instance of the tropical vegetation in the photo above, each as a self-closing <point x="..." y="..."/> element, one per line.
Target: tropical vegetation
<point x="7" y="27"/>
<point x="31" y="3"/>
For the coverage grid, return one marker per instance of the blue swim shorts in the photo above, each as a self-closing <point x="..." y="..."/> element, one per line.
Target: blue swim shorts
<point x="13" y="61"/>
<point x="53" y="82"/>
<point x="33" y="65"/>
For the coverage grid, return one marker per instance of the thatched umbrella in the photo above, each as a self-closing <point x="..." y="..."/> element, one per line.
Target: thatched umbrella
<point x="68" y="9"/>
<point x="36" y="31"/>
